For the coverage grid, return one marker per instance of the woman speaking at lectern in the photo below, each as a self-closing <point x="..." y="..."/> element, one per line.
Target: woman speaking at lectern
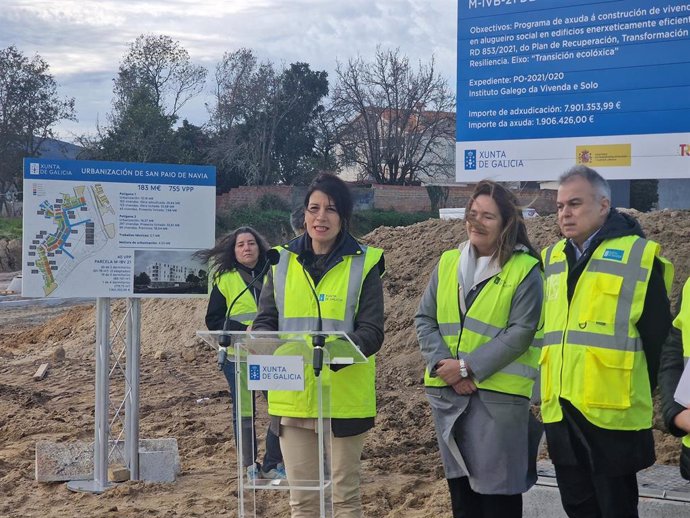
<point x="326" y="280"/>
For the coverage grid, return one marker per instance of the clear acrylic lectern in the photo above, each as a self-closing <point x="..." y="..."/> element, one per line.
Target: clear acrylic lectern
<point x="275" y="361"/>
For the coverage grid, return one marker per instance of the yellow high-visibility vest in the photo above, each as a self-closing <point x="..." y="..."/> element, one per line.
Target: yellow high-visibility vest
<point x="486" y="318"/>
<point x="682" y="323"/>
<point x="352" y="392"/>
<point x="230" y="285"/>
<point x="592" y="353"/>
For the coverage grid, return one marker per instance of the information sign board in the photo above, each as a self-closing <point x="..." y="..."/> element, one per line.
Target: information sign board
<point x="116" y="229"/>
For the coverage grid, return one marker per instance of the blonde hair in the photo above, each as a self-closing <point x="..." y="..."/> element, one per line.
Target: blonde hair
<point x="514" y="230"/>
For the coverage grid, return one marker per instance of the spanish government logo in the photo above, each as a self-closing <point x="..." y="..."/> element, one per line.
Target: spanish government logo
<point x="606" y="155"/>
<point x="584" y="157"/>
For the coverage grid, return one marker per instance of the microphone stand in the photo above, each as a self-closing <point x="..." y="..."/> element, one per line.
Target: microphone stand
<point x="318" y="341"/>
<point x="224" y="340"/>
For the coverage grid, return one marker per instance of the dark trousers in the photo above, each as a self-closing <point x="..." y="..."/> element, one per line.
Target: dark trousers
<point x="273" y="454"/>
<point x="590" y="495"/>
<point x="467" y="503"/>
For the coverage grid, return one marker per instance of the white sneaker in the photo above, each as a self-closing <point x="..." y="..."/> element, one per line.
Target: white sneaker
<point x="277" y="473"/>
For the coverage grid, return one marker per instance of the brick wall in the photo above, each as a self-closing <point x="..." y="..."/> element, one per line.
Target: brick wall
<point x="396" y="197"/>
<point x="249" y="195"/>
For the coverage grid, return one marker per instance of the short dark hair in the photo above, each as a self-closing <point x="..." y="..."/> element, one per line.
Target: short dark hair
<point x="336" y="190"/>
<point x="601" y="186"/>
<point x="514" y="230"/>
<point x="222" y="256"/>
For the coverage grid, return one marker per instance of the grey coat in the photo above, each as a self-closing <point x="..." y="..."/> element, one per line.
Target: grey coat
<point x="490" y="437"/>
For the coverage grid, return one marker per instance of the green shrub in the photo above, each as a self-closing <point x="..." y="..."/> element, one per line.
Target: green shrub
<point x="274" y="225"/>
<point x="273" y="202"/>
<point x="11" y="228"/>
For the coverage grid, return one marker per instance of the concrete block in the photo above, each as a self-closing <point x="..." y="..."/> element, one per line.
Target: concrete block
<point x="62" y="462"/>
<point x="168" y="444"/>
<point x="157" y="466"/>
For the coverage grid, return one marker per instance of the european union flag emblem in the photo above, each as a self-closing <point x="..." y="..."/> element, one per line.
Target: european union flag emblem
<point x="470" y="159"/>
<point x="254" y="373"/>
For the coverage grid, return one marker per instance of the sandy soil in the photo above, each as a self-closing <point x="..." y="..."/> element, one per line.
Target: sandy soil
<point x="401" y="472"/>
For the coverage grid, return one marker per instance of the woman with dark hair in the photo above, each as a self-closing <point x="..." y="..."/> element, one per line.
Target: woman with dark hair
<point x="475" y="324"/>
<point x="236" y="261"/>
<point x="346" y="275"/>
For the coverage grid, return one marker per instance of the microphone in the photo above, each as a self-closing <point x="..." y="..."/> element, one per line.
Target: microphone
<point x="272" y="258"/>
<point x="318" y="341"/>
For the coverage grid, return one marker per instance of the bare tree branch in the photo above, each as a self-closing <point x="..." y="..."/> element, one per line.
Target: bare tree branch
<point x="401" y="120"/>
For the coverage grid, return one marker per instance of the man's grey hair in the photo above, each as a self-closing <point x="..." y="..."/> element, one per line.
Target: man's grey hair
<point x="601" y="186"/>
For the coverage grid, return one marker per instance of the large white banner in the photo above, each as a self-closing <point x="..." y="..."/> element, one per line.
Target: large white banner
<point x="116" y="229"/>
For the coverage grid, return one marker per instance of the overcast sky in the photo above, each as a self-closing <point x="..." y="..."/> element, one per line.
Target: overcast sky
<point x="84" y="40"/>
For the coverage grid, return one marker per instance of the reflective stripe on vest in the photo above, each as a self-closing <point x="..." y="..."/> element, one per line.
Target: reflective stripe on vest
<point x="352" y="391"/>
<point x="485" y="320"/>
<point x="682" y="323"/>
<point x="230" y="284"/>
<point x="592" y="353"/>
<point x="354" y="280"/>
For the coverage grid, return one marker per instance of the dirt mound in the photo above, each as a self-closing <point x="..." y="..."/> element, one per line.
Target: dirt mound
<point x="183" y="396"/>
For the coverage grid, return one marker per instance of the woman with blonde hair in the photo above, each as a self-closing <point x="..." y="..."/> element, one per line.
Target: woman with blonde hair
<point x="475" y="325"/>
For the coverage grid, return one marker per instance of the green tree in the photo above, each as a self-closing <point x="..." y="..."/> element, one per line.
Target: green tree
<point x="139" y="133"/>
<point x="164" y="69"/>
<point x="155" y="80"/>
<point x="303" y="90"/>
<point x="327" y="123"/>
<point x="438" y="196"/>
<point x="193" y="144"/>
<point x="29" y="109"/>
<point x="142" y="279"/>
<point x="263" y="119"/>
<point x="203" y="277"/>
<point x="644" y="194"/>
<point x="400" y="120"/>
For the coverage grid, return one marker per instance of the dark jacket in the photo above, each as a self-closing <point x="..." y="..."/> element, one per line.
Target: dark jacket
<point x="368" y="325"/>
<point x="575" y="440"/>
<point x="670" y="371"/>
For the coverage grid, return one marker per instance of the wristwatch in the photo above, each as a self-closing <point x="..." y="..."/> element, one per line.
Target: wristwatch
<point x="463" y="369"/>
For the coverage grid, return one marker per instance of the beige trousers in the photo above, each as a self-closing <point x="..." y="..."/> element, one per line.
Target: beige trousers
<point x="300" y="455"/>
